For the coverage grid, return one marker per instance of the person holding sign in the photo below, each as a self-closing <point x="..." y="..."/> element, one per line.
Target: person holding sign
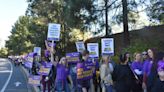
<point x="84" y="72"/>
<point x="44" y="72"/>
<point x="105" y="74"/>
<point x="72" y="59"/>
<point x="61" y="76"/>
<point x="49" y="47"/>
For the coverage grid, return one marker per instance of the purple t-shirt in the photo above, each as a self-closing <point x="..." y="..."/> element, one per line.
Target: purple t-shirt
<point x="62" y="72"/>
<point x="137" y="65"/>
<point x="147" y="67"/>
<point x="46" y="64"/>
<point x="89" y="63"/>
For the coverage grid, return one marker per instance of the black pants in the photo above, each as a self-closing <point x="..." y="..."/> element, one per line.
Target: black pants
<point x="96" y="83"/>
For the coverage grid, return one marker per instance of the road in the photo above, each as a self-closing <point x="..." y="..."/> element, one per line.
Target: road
<point x="12" y="79"/>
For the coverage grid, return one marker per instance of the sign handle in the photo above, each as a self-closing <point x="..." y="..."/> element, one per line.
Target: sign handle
<point x="52" y="49"/>
<point x="93" y="60"/>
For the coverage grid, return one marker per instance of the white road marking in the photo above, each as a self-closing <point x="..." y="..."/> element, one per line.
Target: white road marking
<point x="7" y="82"/>
<point x="17" y="83"/>
<point x="6" y="71"/>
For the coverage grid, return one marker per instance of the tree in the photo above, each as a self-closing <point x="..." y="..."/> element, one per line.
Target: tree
<point x="155" y="11"/>
<point x="125" y="23"/>
<point x="71" y="14"/>
<point x="3" y="52"/>
<point x="19" y="42"/>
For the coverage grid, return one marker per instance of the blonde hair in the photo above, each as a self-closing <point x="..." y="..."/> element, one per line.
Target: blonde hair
<point x="104" y="58"/>
<point x="135" y="54"/>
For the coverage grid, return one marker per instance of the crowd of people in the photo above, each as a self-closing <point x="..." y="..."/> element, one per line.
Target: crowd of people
<point x="142" y="73"/>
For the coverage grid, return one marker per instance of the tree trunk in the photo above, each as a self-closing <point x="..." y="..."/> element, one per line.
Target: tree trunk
<point x="125" y="24"/>
<point x="106" y="18"/>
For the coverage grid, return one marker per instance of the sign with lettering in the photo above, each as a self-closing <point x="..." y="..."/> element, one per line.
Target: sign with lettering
<point x="37" y="50"/>
<point x="53" y="32"/>
<point x="34" y="80"/>
<point x="80" y="46"/>
<point x="107" y="45"/>
<point x="72" y="57"/>
<point x="93" y="49"/>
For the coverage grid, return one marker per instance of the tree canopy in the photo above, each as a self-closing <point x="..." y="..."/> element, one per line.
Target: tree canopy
<point x="31" y="30"/>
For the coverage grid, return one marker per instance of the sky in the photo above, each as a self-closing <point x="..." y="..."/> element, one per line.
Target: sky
<point x="10" y="10"/>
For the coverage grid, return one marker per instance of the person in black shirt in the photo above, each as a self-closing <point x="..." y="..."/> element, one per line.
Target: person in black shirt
<point x="123" y="76"/>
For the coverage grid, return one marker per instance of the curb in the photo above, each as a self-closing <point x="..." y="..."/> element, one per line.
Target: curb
<point x="26" y="74"/>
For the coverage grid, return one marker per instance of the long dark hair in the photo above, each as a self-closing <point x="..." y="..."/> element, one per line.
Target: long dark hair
<point x="123" y="58"/>
<point x="154" y="59"/>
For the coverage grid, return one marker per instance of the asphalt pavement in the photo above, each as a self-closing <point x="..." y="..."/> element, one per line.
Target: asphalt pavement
<point x="12" y="78"/>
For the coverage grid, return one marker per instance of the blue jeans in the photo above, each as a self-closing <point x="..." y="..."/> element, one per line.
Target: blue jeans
<point x="79" y="88"/>
<point x="109" y="88"/>
<point x="74" y="83"/>
<point x="62" y="85"/>
<point x="73" y="77"/>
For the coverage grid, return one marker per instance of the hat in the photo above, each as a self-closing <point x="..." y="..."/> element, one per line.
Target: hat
<point x="160" y="66"/>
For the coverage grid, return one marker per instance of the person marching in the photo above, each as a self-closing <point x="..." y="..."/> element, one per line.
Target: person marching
<point x="96" y="75"/>
<point x="159" y="83"/>
<point x="105" y="74"/>
<point x="123" y="76"/>
<point x="72" y="73"/>
<point x="61" y="76"/>
<point x="45" y="79"/>
<point x="137" y="67"/>
<point x="150" y="70"/>
<point x="83" y="84"/>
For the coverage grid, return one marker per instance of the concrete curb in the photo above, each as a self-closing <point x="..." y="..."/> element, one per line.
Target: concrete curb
<point x="26" y="74"/>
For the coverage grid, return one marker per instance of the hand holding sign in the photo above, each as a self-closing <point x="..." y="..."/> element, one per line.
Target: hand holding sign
<point x="34" y="80"/>
<point x="72" y="57"/>
<point x="50" y="47"/>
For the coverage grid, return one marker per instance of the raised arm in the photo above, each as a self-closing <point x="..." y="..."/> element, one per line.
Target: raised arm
<point x="50" y="48"/>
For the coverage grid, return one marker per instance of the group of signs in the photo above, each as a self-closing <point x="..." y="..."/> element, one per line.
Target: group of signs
<point x="106" y="43"/>
<point x="107" y="47"/>
<point x="53" y="35"/>
<point x="93" y="48"/>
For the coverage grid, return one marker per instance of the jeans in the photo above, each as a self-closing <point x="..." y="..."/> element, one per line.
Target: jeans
<point x="109" y="88"/>
<point x="73" y="77"/>
<point x="62" y="85"/>
<point x="74" y="88"/>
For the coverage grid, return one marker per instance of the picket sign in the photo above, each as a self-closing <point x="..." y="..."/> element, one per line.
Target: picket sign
<point x="107" y="46"/>
<point x="80" y="46"/>
<point x="53" y="35"/>
<point x="37" y="50"/>
<point x="93" y="50"/>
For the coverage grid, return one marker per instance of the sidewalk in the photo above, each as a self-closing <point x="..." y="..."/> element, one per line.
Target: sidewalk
<point x="26" y="74"/>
